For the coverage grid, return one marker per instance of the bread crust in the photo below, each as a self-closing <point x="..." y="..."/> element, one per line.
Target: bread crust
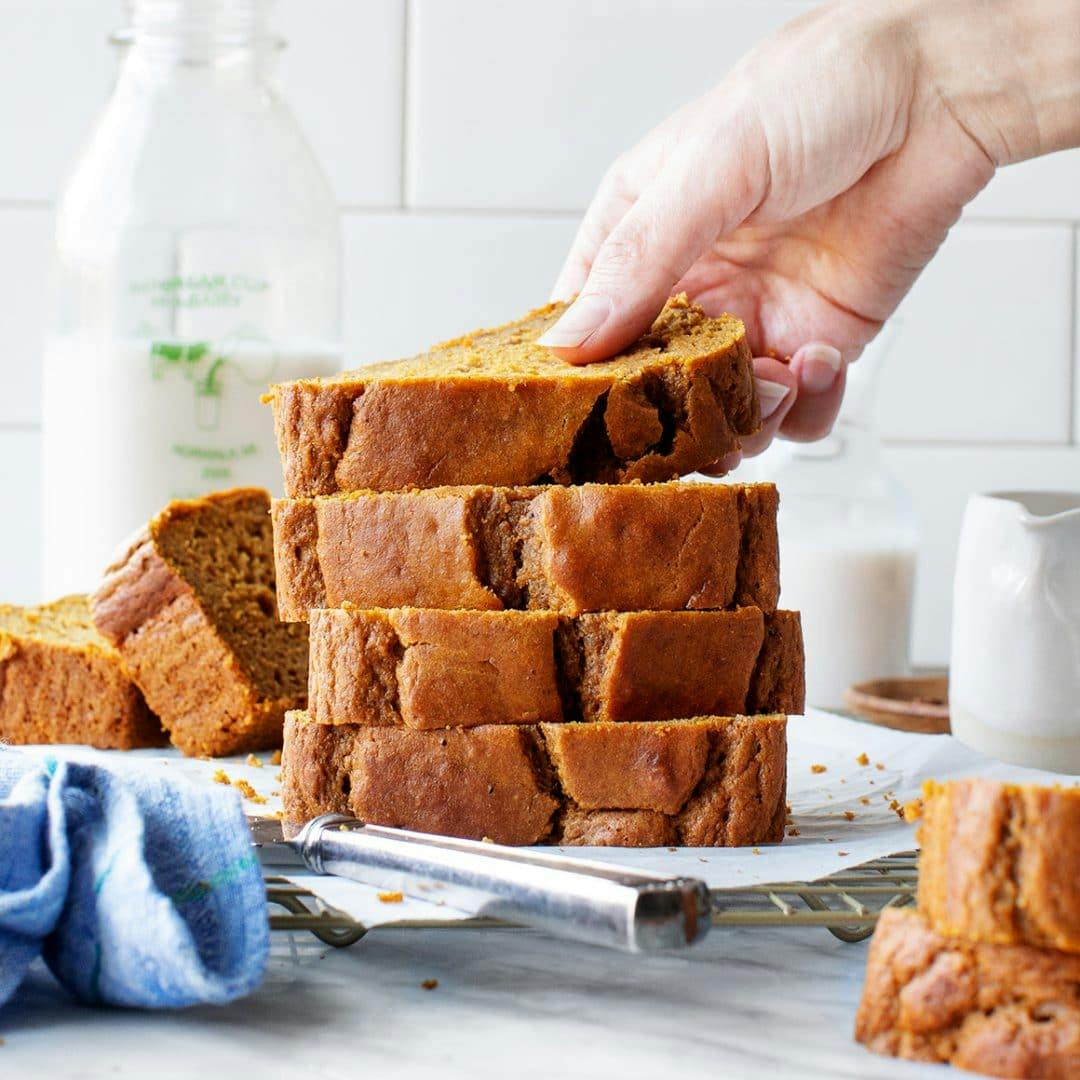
<point x="594" y="547"/>
<point x="161" y="623"/>
<point x="62" y="682"/>
<point x="708" y="781"/>
<point x="1000" y="862"/>
<point x="495" y="408"/>
<point x="430" y="669"/>
<point x="1000" y="1010"/>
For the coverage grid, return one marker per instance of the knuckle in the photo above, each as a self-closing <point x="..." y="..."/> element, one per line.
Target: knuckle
<point x="624" y="251"/>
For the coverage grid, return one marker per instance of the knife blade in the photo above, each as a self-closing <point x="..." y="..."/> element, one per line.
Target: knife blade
<point x="569" y="898"/>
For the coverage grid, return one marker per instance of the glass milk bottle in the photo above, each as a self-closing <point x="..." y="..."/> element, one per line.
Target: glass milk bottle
<point x="197" y="260"/>
<point x="848" y="545"/>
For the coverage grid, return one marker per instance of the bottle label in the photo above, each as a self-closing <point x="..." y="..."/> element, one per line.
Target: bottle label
<point x="130" y="425"/>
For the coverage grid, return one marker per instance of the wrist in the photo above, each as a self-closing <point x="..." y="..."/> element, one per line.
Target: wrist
<point x="1007" y="70"/>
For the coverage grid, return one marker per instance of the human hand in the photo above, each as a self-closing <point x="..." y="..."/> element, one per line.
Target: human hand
<point x="810" y="188"/>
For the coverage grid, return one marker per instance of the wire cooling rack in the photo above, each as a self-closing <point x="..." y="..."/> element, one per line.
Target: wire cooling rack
<point x="847" y="904"/>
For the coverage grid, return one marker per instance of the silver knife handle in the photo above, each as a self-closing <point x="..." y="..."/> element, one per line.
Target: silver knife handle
<point x="567" y="898"/>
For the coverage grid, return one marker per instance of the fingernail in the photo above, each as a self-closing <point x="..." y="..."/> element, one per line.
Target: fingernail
<point x="770" y="395"/>
<point x="818" y="367"/>
<point x="579" y="322"/>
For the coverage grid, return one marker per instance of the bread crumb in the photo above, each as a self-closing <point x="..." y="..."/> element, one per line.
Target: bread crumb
<point x="913" y="811"/>
<point x="702" y="859"/>
<point x="755" y="851"/>
<point x="818" y="768"/>
<point x="429" y="984"/>
<point x="254" y="762"/>
<point x="672" y="849"/>
<point x="486" y="840"/>
<point x="843" y="853"/>
<point x="849" y="815"/>
<point x="275" y="758"/>
<point x="391" y="897"/>
<point x="897" y="809"/>
<point x="793" y="831"/>
<point x="865" y="801"/>
<point x="343" y="828"/>
<point x="249" y="792"/>
<point x="279" y="776"/>
<point x="277" y="815"/>
<point x="863" y="759"/>
<point x="879" y="765"/>
<point x="221" y="777"/>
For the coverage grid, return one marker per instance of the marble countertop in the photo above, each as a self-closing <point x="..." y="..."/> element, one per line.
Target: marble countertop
<point x="509" y="1004"/>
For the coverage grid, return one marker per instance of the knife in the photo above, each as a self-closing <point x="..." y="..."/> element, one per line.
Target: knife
<point x="567" y="898"/>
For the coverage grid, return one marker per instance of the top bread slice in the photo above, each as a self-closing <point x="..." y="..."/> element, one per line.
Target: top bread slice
<point x="191" y="606"/>
<point x="61" y="681"/>
<point x="496" y="408"/>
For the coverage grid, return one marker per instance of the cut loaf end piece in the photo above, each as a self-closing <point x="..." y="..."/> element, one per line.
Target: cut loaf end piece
<point x="191" y="607"/>
<point x="494" y="407"/>
<point x="997" y="1010"/>
<point x="707" y="781"/>
<point x="61" y="681"/>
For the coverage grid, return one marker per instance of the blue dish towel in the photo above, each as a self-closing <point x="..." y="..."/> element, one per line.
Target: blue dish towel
<point x="139" y="889"/>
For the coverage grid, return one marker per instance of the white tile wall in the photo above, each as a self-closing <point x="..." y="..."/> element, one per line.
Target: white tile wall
<point x="25" y="234"/>
<point x="525" y="105"/>
<point x="57" y="71"/>
<point x="342" y="73"/>
<point x="419" y="278"/>
<point x="463" y="137"/>
<point x="1045" y="189"/>
<point x="20" y="550"/>
<point x="983" y="346"/>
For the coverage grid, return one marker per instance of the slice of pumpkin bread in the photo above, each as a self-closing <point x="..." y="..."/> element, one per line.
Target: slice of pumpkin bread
<point x="192" y="609"/>
<point x="425" y="669"/>
<point x="707" y="781"/>
<point x="494" y="407"/>
<point x="61" y="681"/>
<point x="594" y="547"/>
<point x="1000" y="863"/>
<point x="996" y="1010"/>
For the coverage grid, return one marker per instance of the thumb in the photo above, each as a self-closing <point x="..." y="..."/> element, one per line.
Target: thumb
<point x="646" y="254"/>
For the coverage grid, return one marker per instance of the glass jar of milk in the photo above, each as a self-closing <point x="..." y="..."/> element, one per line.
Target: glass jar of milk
<point x="197" y="260"/>
<point x="848" y="544"/>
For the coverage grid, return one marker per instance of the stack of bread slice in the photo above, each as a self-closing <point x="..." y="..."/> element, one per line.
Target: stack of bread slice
<point x="521" y="627"/>
<point x="985" y="975"/>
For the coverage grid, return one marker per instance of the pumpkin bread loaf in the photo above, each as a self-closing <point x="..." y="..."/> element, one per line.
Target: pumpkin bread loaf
<point x="593" y="547"/>
<point x="1000" y="862"/>
<point x="1000" y="1010"/>
<point x="425" y="669"/>
<point x="494" y="407"/>
<point x="61" y="681"/>
<point x="191" y="607"/>
<point x="703" y="782"/>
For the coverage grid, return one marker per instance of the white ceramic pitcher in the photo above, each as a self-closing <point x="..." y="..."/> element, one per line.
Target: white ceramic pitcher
<point x="1014" y="680"/>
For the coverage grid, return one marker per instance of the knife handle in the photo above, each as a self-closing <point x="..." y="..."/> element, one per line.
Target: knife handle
<point x="567" y="898"/>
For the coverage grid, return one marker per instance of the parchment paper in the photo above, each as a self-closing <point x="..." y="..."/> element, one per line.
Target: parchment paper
<point x="845" y="813"/>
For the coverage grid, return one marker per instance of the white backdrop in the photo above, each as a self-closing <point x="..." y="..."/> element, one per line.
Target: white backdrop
<point x="463" y="138"/>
